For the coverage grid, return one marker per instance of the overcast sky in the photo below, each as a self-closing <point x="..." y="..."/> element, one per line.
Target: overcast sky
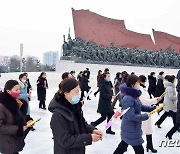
<point x="40" y="24"/>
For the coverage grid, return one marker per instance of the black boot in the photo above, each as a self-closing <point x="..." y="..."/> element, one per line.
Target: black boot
<point x="109" y="131"/>
<point x="150" y="144"/>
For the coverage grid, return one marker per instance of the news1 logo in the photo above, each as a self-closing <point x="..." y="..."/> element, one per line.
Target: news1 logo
<point x="169" y="143"/>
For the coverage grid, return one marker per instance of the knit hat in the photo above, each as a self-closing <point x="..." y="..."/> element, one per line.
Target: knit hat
<point x="10" y="84"/>
<point x="68" y="84"/>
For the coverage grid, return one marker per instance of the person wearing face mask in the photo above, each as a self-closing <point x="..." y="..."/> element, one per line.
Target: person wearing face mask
<point x="146" y="100"/>
<point x="42" y="85"/>
<point x="24" y="95"/>
<point x="84" y="85"/>
<point x="104" y="107"/>
<point x="131" y="132"/>
<point x="12" y="119"/>
<point x="71" y="132"/>
<point x="170" y="102"/>
<point x="152" y="84"/>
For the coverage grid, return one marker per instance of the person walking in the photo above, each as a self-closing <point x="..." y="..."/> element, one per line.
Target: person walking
<point x="152" y="84"/>
<point x="147" y="125"/>
<point x="42" y="85"/>
<point x="170" y="103"/>
<point x="71" y="132"/>
<point x="117" y="83"/>
<point x="98" y="81"/>
<point x="104" y="106"/>
<point x="84" y="85"/>
<point x="160" y="89"/>
<point x="177" y="124"/>
<point x="131" y="132"/>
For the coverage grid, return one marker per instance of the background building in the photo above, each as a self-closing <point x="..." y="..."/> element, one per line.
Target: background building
<point x="50" y="58"/>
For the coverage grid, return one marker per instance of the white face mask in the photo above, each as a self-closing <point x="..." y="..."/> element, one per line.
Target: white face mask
<point x="23" y="81"/>
<point x="137" y="87"/>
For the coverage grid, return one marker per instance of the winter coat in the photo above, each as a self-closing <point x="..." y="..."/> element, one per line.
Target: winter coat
<point x="160" y="87"/>
<point x="178" y="103"/>
<point x="84" y="83"/>
<point x="152" y="85"/>
<point x="98" y="79"/>
<point x="70" y="131"/>
<point x="23" y="94"/>
<point x="146" y="100"/>
<point x="170" y="99"/>
<point x="41" y="88"/>
<point x="11" y="124"/>
<point x="131" y="131"/>
<point x="104" y="106"/>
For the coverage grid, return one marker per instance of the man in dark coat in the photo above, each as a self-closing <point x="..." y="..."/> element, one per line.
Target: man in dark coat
<point x="152" y="84"/>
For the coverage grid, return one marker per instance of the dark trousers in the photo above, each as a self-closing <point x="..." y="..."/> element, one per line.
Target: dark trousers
<point x="173" y="130"/>
<point x="96" y="92"/>
<point x="165" y="115"/>
<point x="102" y="118"/>
<point x="115" y="100"/>
<point x="122" y="147"/>
<point x="82" y="95"/>
<point x="42" y="104"/>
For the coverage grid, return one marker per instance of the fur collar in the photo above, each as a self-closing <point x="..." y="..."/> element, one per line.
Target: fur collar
<point x="22" y="85"/>
<point x="130" y="91"/>
<point x="11" y="104"/>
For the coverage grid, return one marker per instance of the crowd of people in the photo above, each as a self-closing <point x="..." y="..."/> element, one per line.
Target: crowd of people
<point x="71" y="132"/>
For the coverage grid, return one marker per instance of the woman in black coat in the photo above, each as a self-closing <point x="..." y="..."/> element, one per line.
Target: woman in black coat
<point x="42" y="85"/>
<point x="84" y="84"/>
<point x="70" y="131"/>
<point x="160" y="86"/>
<point x="104" y="107"/>
<point x="13" y="128"/>
<point x="152" y="84"/>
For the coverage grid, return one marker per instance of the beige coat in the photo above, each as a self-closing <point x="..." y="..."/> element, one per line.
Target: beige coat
<point x="146" y="100"/>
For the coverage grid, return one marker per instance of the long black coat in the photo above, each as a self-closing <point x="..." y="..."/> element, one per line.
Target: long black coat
<point x="178" y="103"/>
<point x="152" y="85"/>
<point x="41" y="90"/>
<point x="159" y="88"/>
<point x="70" y="131"/>
<point x="84" y="83"/>
<point x="104" y="106"/>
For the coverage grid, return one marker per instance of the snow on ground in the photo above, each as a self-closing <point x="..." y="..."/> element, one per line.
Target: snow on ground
<point x="40" y="141"/>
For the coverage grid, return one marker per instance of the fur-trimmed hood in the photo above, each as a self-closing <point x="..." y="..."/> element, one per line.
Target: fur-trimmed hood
<point x="130" y="91"/>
